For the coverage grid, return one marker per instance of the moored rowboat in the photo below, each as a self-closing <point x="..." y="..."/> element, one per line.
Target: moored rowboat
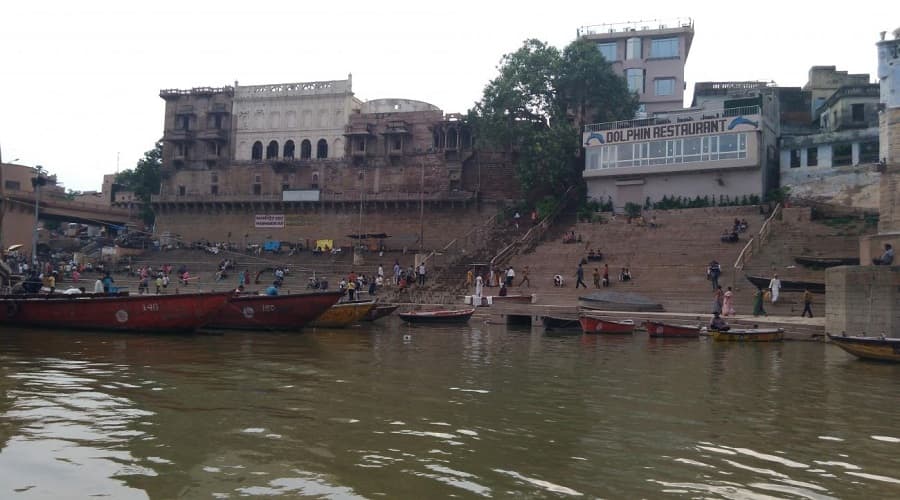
<point x="875" y="348"/>
<point x="787" y="285"/>
<point x="454" y="316"/>
<point x="591" y="323"/>
<point x="381" y="311"/>
<point x="136" y="313"/>
<point x="749" y="335"/>
<point x="343" y="314"/>
<point x="273" y="312"/>
<point x="561" y="323"/>
<point x="662" y="329"/>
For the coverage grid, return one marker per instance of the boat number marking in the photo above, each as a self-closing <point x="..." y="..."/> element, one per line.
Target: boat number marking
<point x="659" y="329"/>
<point x="122" y="316"/>
<point x="599" y="327"/>
<point x="151" y="307"/>
<point x="248" y="312"/>
<point x="268" y="308"/>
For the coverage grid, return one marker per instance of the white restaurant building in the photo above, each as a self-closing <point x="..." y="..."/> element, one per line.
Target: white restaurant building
<point x="730" y="151"/>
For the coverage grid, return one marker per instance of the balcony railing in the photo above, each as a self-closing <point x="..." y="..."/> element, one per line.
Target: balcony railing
<point x="213" y="135"/>
<point x="178" y="135"/>
<point x="344" y="196"/>
<point x="649" y="24"/>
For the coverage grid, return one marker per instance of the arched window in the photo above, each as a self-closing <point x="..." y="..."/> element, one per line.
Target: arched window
<point x="272" y="150"/>
<point x="305" y="150"/>
<point x="256" y="153"/>
<point x="289" y="150"/>
<point x="322" y="149"/>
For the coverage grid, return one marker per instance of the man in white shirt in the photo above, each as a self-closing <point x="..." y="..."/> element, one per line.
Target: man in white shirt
<point x="510" y="276"/>
<point x="775" y="287"/>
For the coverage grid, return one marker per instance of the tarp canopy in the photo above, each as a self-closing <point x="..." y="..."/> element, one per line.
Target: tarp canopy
<point x="366" y="236"/>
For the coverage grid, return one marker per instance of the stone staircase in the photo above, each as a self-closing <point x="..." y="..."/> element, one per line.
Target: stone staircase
<point x="668" y="263"/>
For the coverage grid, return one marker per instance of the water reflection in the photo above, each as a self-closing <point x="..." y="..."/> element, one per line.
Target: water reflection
<point x="403" y="412"/>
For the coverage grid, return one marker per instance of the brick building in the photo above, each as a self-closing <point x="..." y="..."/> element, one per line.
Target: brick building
<point x="311" y="151"/>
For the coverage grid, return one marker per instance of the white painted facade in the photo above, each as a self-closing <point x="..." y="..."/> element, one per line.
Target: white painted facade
<point x="310" y="111"/>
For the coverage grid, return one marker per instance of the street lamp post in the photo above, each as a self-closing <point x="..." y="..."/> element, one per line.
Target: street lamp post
<point x="36" y="182"/>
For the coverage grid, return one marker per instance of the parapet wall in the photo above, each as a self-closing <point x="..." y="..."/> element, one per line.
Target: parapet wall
<point x="402" y="223"/>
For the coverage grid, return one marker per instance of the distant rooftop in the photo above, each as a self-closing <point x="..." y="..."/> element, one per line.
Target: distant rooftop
<point x="643" y="25"/>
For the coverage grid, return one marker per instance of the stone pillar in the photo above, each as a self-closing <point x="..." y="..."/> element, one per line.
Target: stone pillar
<point x="862" y="300"/>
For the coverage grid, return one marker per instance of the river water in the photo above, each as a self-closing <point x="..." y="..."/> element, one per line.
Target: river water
<point x="392" y="411"/>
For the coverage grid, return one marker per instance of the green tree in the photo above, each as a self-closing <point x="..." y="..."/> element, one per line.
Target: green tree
<point x="537" y="106"/>
<point x="144" y="180"/>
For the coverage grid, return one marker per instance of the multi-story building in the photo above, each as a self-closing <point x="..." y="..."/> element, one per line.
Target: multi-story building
<point x="725" y="149"/>
<point x="292" y="120"/>
<point x="650" y="55"/>
<point x="829" y="154"/>
<point x="308" y="152"/>
<point x="197" y="128"/>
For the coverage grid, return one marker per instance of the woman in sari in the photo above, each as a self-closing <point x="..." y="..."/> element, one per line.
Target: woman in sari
<point x="758" y="303"/>
<point x="728" y="303"/>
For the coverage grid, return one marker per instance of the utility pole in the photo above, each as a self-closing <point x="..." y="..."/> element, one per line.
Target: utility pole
<point x="422" y="207"/>
<point x="37" y="182"/>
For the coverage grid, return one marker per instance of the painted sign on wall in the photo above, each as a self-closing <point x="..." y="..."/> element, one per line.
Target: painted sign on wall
<point x="269" y="221"/>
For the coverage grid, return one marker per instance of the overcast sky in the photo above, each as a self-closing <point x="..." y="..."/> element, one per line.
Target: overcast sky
<point x="80" y="81"/>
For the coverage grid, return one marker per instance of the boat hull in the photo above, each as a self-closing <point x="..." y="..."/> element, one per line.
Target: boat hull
<point x="824" y="262"/>
<point x="279" y="312"/>
<point x="511" y="299"/>
<point x="437" y="317"/>
<point x="595" y="324"/>
<point x="180" y="313"/>
<point x="379" y="312"/>
<point x="669" y="330"/>
<point x="561" y="323"/>
<point x="788" y="286"/>
<point x="343" y="314"/>
<point x="749" y="335"/>
<point x="873" y="348"/>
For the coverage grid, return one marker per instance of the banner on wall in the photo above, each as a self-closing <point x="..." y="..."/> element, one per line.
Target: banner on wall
<point x="269" y="221"/>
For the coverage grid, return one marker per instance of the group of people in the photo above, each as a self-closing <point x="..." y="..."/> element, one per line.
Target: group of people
<point x="723" y="301"/>
<point x="601" y="278"/>
<point x="571" y="237"/>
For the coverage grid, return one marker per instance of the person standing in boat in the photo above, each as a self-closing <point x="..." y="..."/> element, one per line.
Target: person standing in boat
<point x="775" y="287"/>
<point x="728" y="303"/>
<point x="807" y="303"/>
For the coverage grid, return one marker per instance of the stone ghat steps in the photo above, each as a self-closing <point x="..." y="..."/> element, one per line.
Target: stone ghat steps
<point x="668" y="263"/>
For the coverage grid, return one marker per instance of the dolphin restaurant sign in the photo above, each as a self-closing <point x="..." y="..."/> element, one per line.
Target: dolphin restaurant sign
<point x="671" y="130"/>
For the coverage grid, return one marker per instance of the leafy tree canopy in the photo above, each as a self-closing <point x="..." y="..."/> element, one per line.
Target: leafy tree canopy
<point x="144" y="180"/>
<point x="538" y="105"/>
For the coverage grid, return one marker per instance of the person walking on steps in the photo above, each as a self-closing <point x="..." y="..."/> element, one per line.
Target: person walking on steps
<point x="807" y="302"/>
<point x="525" y="278"/>
<point x="579" y="274"/>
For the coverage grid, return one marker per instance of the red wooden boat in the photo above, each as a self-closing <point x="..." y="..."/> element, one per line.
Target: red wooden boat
<point x="661" y="329"/>
<point x="379" y="312"/>
<point x="457" y="316"/>
<point x="136" y="313"/>
<point x="591" y="323"/>
<point x="273" y="312"/>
